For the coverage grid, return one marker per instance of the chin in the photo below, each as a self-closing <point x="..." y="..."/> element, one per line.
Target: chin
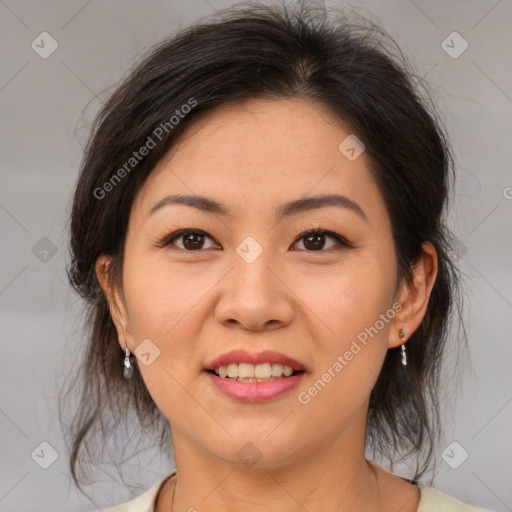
<point x="255" y="450"/>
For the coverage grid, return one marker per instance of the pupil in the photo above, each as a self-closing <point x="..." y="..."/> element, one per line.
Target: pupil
<point x="190" y="239"/>
<point x="318" y="244"/>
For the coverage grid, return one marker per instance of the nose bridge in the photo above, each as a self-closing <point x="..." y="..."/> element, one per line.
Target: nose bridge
<point x="252" y="274"/>
<point x="254" y="296"/>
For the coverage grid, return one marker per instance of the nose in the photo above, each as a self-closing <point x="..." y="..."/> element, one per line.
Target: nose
<point x="255" y="296"/>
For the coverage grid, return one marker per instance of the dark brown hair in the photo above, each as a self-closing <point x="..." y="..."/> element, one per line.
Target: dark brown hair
<point x="343" y="61"/>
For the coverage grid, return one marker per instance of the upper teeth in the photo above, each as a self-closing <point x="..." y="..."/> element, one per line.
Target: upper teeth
<point x="259" y="371"/>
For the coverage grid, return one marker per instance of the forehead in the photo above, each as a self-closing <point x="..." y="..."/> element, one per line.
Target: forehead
<point x="291" y="128"/>
<point x="260" y="152"/>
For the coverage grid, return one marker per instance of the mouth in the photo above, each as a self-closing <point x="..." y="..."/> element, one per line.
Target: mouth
<point x="255" y="377"/>
<point x="240" y="364"/>
<point x="247" y="372"/>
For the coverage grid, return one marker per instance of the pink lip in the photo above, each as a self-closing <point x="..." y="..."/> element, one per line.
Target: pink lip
<point x="242" y="356"/>
<point x="255" y="391"/>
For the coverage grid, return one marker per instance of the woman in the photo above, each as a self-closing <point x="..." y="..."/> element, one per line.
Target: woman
<point x="258" y="229"/>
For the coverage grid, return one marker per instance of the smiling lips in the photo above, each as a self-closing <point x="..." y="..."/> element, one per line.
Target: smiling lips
<point x="255" y="377"/>
<point x="247" y="372"/>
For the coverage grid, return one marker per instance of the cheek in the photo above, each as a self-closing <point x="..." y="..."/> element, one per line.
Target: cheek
<point x="158" y="300"/>
<point x="163" y="312"/>
<point x="347" y="300"/>
<point x="351" y="340"/>
<point x="163" y="308"/>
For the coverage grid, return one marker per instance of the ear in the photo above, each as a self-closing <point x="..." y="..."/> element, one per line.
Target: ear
<point x="414" y="297"/>
<point x="116" y="302"/>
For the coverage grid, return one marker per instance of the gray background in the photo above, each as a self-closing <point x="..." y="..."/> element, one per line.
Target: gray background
<point x="43" y="130"/>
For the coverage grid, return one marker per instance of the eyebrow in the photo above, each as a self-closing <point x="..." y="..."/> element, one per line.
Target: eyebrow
<point x="210" y="205"/>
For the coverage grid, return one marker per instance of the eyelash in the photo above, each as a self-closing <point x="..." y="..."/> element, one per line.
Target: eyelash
<point x="329" y="234"/>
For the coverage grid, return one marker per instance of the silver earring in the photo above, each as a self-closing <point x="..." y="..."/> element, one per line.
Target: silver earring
<point x="128" y="368"/>
<point x="401" y="334"/>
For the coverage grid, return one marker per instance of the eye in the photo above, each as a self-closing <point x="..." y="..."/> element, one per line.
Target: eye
<point x="193" y="240"/>
<point x="314" y="241"/>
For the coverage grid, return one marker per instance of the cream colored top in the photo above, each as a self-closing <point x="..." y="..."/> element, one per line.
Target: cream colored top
<point x="431" y="500"/>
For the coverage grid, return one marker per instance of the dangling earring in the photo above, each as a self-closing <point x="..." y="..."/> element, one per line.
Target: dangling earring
<point x="128" y="368"/>
<point x="401" y="333"/>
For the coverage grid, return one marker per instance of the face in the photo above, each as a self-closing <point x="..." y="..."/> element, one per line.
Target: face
<point x="200" y="284"/>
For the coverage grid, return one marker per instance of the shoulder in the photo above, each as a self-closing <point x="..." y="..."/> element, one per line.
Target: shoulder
<point x="143" y="503"/>
<point x="432" y="500"/>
